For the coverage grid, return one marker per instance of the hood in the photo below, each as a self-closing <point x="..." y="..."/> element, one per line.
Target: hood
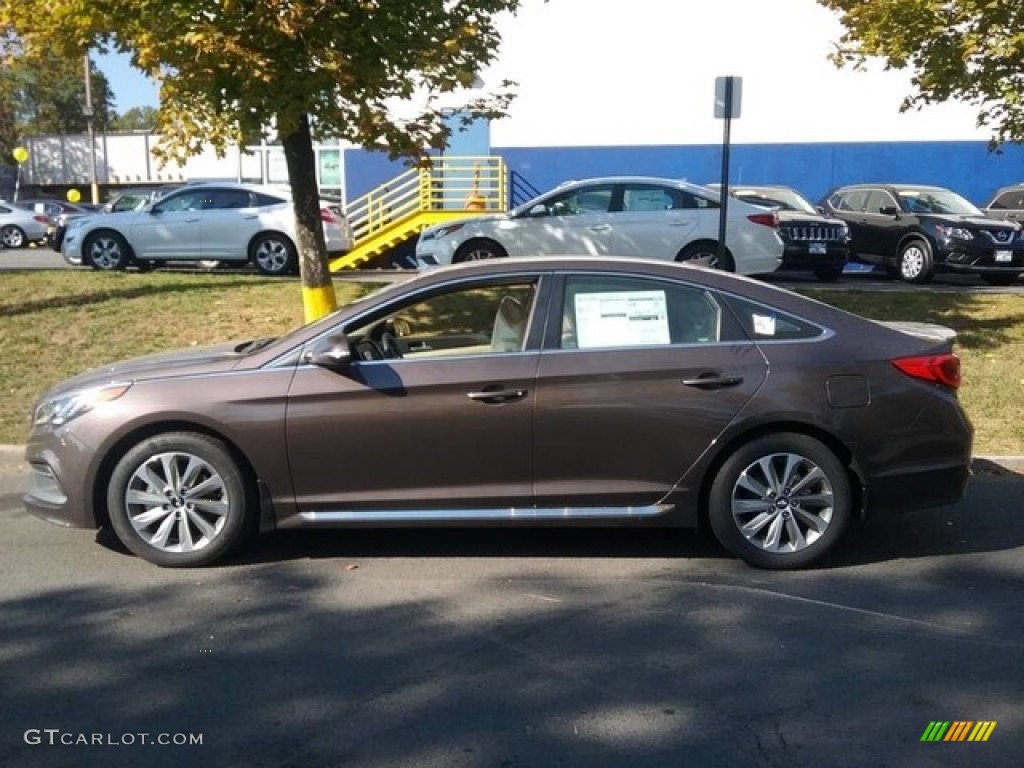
<point x="462" y="222"/>
<point x="801" y="217"/>
<point x="982" y="222"/>
<point x="190" y="361"/>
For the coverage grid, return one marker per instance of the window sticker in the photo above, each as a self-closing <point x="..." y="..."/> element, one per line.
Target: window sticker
<point x="764" y="325"/>
<point x="621" y="319"/>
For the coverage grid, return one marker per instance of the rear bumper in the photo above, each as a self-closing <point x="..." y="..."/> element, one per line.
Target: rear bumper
<point x="918" y="488"/>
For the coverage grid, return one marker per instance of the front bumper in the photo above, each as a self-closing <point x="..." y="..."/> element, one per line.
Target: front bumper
<point x="981" y="258"/>
<point x="59" y="479"/>
<point x="71" y="248"/>
<point x="797" y="255"/>
<point x="434" y="252"/>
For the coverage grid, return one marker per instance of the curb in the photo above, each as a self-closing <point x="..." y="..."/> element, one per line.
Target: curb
<point x="982" y="465"/>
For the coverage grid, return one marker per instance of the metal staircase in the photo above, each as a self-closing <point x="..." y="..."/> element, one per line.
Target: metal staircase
<point x="394" y="212"/>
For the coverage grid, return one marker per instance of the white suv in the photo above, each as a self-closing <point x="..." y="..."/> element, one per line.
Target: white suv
<point x="618" y="216"/>
<point x="224" y="222"/>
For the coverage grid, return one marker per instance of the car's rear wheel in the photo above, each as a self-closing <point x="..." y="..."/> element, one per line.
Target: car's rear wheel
<point x="480" y="250"/>
<point x="998" y="279"/>
<point x="916" y="265"/>
<point x="705" y="254"/>
<point x="828" y="274"/>
<point x="780" y="501"/>
<point x="106" y="250"/>
<point x="273" y="254"/>
<point x="178" y="500"/>
<point x="13" y="237"/>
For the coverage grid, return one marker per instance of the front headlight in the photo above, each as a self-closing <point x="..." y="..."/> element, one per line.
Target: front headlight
<point x="59" y="410"/>
<point x="958" y="233"/>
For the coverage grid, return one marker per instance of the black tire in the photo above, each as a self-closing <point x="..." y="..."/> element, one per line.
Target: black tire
<point x="106" y="251"/>
<point x="749" y="505"/>
<point x="916" y="264"/>
<point x="705" y="254"/>
<point x="273" y="254"/>
<point x="13" y="236"/>
<point x="999" y="279"/>
<point x="479" y="250"/>
<point x="179" y="500"/>
<point x="828" y="274"/>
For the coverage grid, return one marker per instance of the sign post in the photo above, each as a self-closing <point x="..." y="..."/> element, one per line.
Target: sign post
<point x="728" y="96"/>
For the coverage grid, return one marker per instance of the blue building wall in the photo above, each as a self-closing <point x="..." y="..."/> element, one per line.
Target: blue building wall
<point x="965" y="166"/>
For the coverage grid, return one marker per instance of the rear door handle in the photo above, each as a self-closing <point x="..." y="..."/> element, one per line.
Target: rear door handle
<point x="600" y="228"/>
<point x="713" y="381"/>
<point x="497" y="395"/>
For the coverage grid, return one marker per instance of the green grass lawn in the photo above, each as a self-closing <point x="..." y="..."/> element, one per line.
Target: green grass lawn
<point x="56" y="324"/>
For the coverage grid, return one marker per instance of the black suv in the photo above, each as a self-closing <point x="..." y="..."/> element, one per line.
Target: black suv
<point x="913" y="230"/>
<point x="813" y="242"/>
<point x="1007" y="203"/>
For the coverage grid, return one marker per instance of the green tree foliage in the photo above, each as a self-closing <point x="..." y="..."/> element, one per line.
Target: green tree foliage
<point x="967" y="50"/>
<point x="341" y="68"/>
<point x="135" y="119"/>
<point x="46" y="96"/>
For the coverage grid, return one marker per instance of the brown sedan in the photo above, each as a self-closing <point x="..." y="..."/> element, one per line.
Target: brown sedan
<point x="568" y="391"/>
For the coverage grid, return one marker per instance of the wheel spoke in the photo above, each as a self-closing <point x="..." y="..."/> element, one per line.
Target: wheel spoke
<point x="814" y="475"/>
<point x="219" y="508"/>
<point x="150" y="516"/>
<point x="811" y="520"/>
<point x="200" y="522"/>
<point x="212" y="483"/>
<point x="184" y="534"/>
<point x="163" y="532"/>
<point x="754" y="526"/>
<point x="145" y="498"/>
<point x="771" y="541"/>
<point x="796" y="536"/>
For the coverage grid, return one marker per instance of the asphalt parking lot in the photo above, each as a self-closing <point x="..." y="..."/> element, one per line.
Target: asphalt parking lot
<point x="517" y="648"/>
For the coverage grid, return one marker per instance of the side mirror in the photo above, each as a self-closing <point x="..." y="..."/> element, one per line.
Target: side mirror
<point x="332" y="352"/>
<point x="538" y="210"/>
<point x="820" y="209"/>
<point x="889" y="210"/>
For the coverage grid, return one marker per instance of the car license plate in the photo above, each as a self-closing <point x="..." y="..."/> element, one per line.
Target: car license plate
<point x="1004" y="256"/>
<point x="817" y="248"/>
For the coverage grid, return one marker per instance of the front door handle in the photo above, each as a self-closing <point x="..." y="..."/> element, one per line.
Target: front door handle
<point x="600" y="228"/>
<point x="713" y="381"/>
<point x="497" y="395"/>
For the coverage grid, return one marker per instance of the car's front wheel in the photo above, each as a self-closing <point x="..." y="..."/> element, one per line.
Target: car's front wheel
<point x="106" y="250"/>
<point x="479" y="250"/>
<point x="273" y="254"/>
<point x="13" y="237"/>
<point x="178" y="500"/>
<point x="780" y="501"/>
<point x="916" y="264"/>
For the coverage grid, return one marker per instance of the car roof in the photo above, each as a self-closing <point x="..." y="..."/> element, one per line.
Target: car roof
<point x="888" y="185"/>
<point x="681" y="183"/>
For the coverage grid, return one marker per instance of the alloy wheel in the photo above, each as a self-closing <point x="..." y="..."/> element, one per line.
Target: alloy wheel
<point x="177" y="502"/>
<point x="782" y="503"/>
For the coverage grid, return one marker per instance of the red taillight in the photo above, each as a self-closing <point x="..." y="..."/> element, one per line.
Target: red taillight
<point x="766" y="219"/>
<point x="942" y="369"/>
<point x="327" y="216"/>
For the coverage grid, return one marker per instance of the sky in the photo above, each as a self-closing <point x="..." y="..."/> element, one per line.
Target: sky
<point x="598" y="72"/>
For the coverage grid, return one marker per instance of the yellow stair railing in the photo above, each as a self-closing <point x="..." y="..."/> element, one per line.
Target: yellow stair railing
<point x="449" y="188"/>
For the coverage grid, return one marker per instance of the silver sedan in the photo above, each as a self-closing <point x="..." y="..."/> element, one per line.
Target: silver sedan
<point x="19" y="227"/>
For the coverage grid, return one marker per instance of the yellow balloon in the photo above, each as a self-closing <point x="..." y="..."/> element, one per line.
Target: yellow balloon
<point x="20" y="154"/>
<point x="74" y="195"/>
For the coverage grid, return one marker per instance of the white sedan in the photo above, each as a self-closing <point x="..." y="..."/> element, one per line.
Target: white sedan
<point x="223" y="222"/>
<point x="620" y="216"/>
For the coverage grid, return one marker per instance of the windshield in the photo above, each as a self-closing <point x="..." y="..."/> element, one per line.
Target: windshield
<point x="786" y="199"/>
<point x="931" y="200"/>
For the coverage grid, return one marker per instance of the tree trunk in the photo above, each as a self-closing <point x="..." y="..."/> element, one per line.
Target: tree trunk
<point x="318" y="297"/>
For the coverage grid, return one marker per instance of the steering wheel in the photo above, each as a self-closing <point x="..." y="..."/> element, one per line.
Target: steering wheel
<point x="386" y="339"/>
